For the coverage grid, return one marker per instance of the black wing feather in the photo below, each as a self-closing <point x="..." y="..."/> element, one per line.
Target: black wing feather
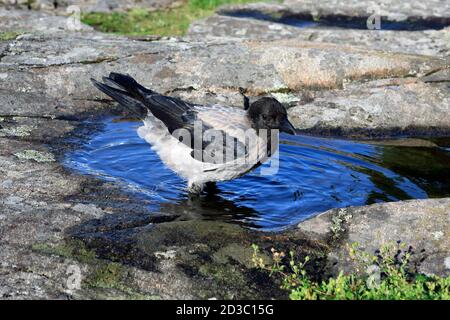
<point x="174" y="113"/>
<point x="135" y="106"/>
<point x="171" y="111"/>
<point x="130" y="85"/>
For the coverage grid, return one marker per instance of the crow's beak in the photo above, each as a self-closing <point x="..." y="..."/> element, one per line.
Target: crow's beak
<point x="287" y="127"/>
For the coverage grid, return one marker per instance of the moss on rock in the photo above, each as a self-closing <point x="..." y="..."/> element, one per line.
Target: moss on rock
<point x="9" y="35"/>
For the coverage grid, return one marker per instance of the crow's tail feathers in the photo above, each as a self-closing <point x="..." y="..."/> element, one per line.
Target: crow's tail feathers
<point x="128" y="84"/>
<point x="126" y="91"/>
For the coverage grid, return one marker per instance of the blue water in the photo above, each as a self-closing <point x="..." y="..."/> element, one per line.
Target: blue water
<point x="315" y="174"/>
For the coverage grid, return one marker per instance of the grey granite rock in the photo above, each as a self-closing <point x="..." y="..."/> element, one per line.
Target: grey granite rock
<point x="59" y="66"/>
<point x="68" y="6"/>
<point x="378" y="108"/>
<point x="23" y="21"/>
<point x="396" y="10"/>
<point x="425" y="42"/>
<point x="422" y="224"/>
<point x="66" y="236"/>
<point x="63" y="235"/>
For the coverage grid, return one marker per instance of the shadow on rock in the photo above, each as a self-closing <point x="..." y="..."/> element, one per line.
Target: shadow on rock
<point x="213" y="255"/>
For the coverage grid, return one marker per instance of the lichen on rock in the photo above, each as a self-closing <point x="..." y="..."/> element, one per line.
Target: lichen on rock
<point x="19" y="131"/>
<point x="35" y="155"/>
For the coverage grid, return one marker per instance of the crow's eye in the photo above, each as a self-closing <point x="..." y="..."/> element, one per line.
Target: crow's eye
<point x="264" y="117"/>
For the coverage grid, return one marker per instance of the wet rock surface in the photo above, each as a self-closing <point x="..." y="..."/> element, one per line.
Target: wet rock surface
<point x="38" y="201"/>
<point x="215" y="258"/>
<point x="55" y="225"/>
<point x="68" y="236"/>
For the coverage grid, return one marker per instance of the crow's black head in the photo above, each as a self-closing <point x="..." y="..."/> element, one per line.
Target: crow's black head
<point x="268" y="113"/>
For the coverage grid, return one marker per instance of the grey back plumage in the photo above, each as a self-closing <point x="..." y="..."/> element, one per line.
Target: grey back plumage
<point x="228" y="123"/>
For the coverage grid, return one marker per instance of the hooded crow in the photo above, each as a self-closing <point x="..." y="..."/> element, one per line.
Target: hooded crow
<point x="202" y="143"/>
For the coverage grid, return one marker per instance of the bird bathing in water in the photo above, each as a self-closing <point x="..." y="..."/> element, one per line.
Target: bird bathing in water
<point x="203" y="144"/>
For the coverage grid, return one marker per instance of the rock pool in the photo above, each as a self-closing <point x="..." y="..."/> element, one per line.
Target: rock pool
<point x="315" y="174"/>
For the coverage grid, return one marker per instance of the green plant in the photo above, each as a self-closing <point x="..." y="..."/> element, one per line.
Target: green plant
<point x="383" y="276"/>
<point x="171" y="22"/>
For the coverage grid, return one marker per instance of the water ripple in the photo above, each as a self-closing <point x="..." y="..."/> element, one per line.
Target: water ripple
<point x="315" y="174"/>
